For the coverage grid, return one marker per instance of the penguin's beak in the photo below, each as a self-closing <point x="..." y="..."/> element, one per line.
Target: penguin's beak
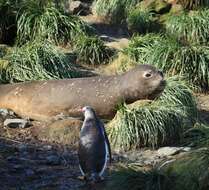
<point x="81" y="109"/>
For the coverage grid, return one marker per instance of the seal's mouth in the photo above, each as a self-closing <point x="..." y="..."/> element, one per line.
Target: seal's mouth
<point x="158" y="91"/>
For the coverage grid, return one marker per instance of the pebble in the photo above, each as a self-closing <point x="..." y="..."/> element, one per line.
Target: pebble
<point x="47" y="147"/>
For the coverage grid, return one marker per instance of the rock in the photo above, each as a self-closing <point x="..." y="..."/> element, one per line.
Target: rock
<point x="16" y="123"/>
<point x="169" y="151"/>
<point x="53" y="160"/>
<point x="78" y="7"/>
<point x="47" y="147"/>
<point x="6" y="112"/>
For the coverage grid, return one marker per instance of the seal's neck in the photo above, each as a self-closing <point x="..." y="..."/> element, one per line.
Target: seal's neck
<point x="130" y="89"/>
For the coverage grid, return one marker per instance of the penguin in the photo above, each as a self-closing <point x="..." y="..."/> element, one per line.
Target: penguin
<point x="94" y="147"/>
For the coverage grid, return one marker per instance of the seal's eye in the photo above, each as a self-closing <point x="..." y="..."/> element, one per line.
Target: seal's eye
<point x="148" y="75"/>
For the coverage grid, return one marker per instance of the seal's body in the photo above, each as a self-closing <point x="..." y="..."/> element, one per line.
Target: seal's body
<point x="43" y="100"/>
<point x="94" y="146"/>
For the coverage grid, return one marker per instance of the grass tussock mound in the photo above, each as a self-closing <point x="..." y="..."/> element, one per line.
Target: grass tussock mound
<point x="92" y="50"/>
<point x="190" y="28"/>
<point x="172" y="57"/>
<point x="36" y="60"/>
<point x="141" y="22"/>
<point x="44" y="19"/>
<point x="115" y="11"/>
<point x="154" y="123"/>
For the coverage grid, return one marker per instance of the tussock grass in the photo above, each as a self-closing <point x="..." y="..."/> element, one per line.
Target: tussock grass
<point x="138" y="45"/>
<point x="36" y="60"/>
<point x="115" y="11"/>
<point x="43" y="19"/>
<point x="173" y="58"/>
<point x="92" y="50"/>
<point x="157" y="123"/>
<point x="141" y="22"/>
<point x="190" y="28"/>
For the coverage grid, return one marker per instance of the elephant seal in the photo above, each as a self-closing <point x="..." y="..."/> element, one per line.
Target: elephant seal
<point x="94" y="146"/>
<point x="44" y="100"/>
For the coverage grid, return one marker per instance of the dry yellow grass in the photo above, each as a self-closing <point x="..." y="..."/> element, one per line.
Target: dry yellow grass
<point x="119" y="65"/>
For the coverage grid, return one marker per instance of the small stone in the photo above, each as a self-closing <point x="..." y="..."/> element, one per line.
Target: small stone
<point x="53" y="160"/>
<point x="47" y="147"/>
<point x="16" y="123"/>
<point x="169" y="151"/>
<point x="78" y="7"/>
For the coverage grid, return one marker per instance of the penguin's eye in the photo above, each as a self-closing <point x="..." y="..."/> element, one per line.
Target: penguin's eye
<point x="148" y="75"/>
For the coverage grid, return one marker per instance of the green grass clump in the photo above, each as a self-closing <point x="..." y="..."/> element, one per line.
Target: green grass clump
<point x="173" y="58"/>
<point x="36" y="60"/>
<point x="154" y="124"/>
<point x="141" y="22"/>
<point x="92" y="50"/>
<point x="42" y="19"/>
<point x="138" y="45"/>
<point x="115" y="11"/>
<point x="190" y="28"/>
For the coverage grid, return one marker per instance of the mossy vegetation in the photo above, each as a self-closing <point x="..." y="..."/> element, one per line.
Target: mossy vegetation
<point x="190" y="171"/>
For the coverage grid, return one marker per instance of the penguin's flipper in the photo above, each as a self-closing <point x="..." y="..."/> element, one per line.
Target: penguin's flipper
<point x="108" y="143"/>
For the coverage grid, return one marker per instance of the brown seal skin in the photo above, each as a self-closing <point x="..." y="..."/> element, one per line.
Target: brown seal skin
<point x="44" y="100"/>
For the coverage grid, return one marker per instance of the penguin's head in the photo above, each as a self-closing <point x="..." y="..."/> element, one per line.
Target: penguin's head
<point x="88" y="112"/>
